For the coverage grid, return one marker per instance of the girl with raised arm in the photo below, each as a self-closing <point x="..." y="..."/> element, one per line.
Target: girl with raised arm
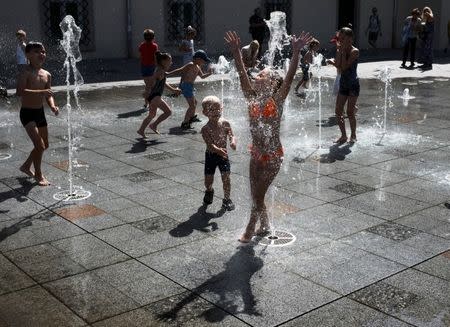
<point x="265" y="96"/>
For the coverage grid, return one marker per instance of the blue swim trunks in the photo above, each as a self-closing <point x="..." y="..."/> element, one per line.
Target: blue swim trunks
<point x="147" y="71"/>
<point x="187" y="89"/>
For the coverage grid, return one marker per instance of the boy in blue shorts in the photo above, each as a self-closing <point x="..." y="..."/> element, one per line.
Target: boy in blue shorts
<point x="189" y="73"/>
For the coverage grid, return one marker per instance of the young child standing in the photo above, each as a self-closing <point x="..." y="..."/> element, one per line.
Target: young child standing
<point x="265" y="96"/>
<point x="189" y="73"/>
<point x="346" y="63"/>
<point x="187" y="44"/>
<point x="147" y="50"/>
<point x="33" y="85"/>
<point x="305" y="63"/>
<point x="21" y="58"/>
<point x="216" y="133"/>
<point x="157" y="82"/>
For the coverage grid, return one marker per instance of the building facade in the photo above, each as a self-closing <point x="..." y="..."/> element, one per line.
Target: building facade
<point x="113" y="28"/>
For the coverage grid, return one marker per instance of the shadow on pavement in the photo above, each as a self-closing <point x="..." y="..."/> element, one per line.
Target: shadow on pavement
<point x="233" y="280"/>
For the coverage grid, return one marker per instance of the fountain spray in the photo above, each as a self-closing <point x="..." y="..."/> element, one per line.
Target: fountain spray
<point x="70" y="44"/>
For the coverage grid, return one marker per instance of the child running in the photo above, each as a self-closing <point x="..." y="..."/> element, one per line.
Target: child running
<point x="189" y="73"/>
<point x="157" y="83"/>
<point x="216" y="133"/>
<point x="147" y="50"/>
<point x="346" y="63"/>
<point x="265" y="96"/>
<point x="305" y="63"/>
<point x="33" y="85"/>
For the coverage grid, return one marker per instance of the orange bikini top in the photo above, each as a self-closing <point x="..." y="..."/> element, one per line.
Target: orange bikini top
<point x="269" y="110"/>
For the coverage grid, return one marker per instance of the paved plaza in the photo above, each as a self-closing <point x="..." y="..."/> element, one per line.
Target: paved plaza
<point x="372" y="233"/>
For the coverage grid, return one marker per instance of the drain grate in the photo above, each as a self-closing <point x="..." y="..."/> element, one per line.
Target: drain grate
<point x="76" y="195"/>
<point x="5" y="156"/>
<point x="277" y="238"/>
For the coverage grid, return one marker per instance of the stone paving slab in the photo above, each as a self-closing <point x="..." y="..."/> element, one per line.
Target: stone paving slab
<point x="372" y="233"/>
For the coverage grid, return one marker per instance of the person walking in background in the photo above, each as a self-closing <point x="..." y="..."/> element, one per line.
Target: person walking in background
<point x="21" y="58"/>
<point x="187" y="45"/>
<point x="147" y="51"/>
<point x="410" y="32"/>
<point x="257" y="28"/>
<point x="374" y="28"/>
<point x="427" y="34"/>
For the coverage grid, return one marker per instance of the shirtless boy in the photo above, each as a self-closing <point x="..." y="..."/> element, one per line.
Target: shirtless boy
<point x="189" y="73"/>
<point x="33" y="85"/>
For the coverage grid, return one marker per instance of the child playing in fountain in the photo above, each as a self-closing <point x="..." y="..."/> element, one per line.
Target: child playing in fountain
<point x="147" y="50"/>
<point x="265" y="96"/>
<point x="33" y="85"/>
<point x="305" y="62"/>
<point x="189" y="73"/>
<point x="21" y="58"/>
<point x="216" y="133"/>
<point x="157" y="82"/>
<point x="346" y="63"/>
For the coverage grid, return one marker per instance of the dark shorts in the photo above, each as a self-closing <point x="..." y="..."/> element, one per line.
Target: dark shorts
<point x="28" y="115"/>
<point x="147" y="71"/>
<point x="349" y="90"/>
<point x="373" y="36"/>
<point x="305" y="72"/>
<point x="213" y="160"/>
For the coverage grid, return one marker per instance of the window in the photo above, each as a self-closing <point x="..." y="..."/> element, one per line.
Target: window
<point x="55" y="10"/>
<point x="181" y="14"/>
<point x="279" y="5"/>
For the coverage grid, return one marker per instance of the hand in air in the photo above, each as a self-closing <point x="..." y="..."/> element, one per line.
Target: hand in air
<point x="233" y="40"/>
<point x="299" y="42"/>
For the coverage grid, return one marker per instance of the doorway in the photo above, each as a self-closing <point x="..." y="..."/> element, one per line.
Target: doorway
<point x="346" y="13"/>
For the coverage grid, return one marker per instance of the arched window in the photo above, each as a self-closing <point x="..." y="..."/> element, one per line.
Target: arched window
<point x="181" y="14"/>
<point x="55" y="10"/>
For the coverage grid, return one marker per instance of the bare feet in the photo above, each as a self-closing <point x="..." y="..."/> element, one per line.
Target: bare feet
<point x="246" y="237"/>
<point x="42" y="181"/>
<point x="153" y="128"/>
<point x="341" y="140"/>
<point x="263" y="231"/>
<point x="353" y="139"/>
<point x="141" y="133"/>
<point x="26" y="171"/>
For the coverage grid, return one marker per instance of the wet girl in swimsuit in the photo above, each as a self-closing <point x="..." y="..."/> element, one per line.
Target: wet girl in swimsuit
<point x="158" y="82"/>
<point x="347" y="63"/>
<point x="265" y="96"/>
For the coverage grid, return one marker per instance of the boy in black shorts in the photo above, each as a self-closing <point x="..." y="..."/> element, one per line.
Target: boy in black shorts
<point x="34" y="86"/>
<point x="216" y="133"/>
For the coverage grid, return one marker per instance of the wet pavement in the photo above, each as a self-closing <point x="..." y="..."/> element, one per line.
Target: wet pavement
<point x="372" y="232"/>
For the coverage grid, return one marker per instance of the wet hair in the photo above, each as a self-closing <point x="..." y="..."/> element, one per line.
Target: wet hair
<point x="33" y="45"/>
<point x="161" y="56"/>
<point x="21" y="33"/>
<point x="312" y="43"/>
<point x="149" y="34"/>
<point x="416" y="11"/>
<point x="208" y="101"/>
<point x="347" y="31"/>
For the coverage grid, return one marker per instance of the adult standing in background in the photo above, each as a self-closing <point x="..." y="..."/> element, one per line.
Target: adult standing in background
<point x="427" y="34"/>
<point x="374" y="28"/>
<point x="257" y="28"/>
<point x="410" y="32"/>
